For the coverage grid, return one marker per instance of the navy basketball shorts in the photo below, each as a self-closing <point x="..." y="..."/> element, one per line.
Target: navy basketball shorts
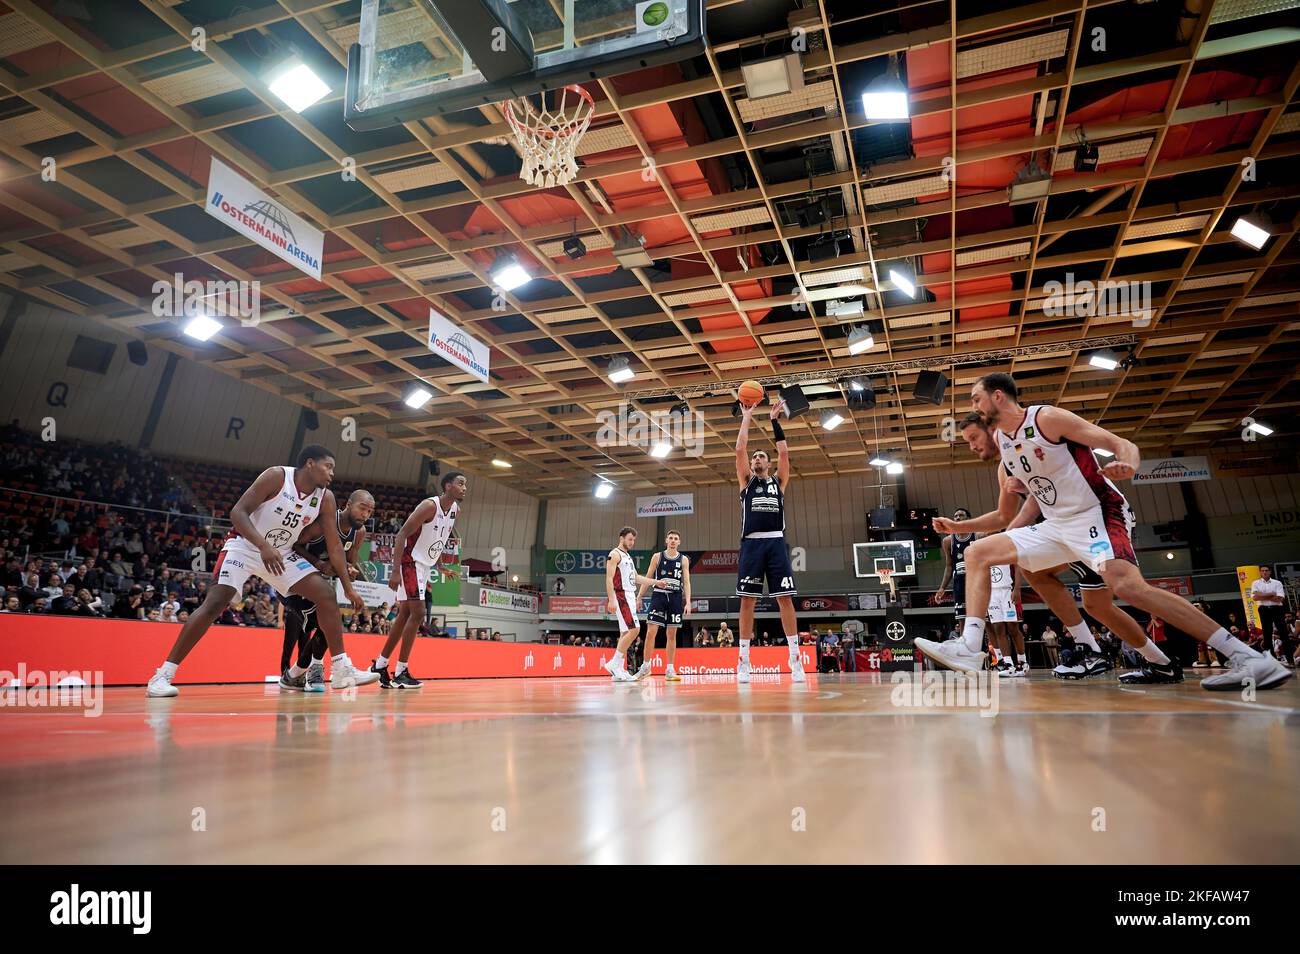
<point x="665" y="608"/>
<point x="764" y="559"/>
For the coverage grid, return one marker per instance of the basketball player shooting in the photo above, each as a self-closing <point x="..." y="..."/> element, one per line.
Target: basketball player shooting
<point x="621" y="580"/>
<point x="763" y="553"/>
<point x="421" y="545"/>
<point x="268" y="519"/>
<point x="1050" y="450"/>
<point x="669" y="605"/>
<point x="301" y="628"/>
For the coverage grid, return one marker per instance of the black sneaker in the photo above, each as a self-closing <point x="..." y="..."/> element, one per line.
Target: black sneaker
<point x="384" y="681"/>
<point x="404" y="680"/>
<point x="1090" y="665"/>
<point x="296" y="683"/>
<point x="1152" y="673"/>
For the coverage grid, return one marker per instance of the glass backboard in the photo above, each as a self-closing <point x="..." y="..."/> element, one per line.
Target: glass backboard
<point x="408" y="64"/>
<point x="898" y="555"/>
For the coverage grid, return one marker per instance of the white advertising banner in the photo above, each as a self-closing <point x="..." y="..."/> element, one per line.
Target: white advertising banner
<point x="252" y="213"/>
<point x="374" y="594"/>
<point x="461" y="349"/>
<point x="1170" y="470"/>
<point x="665" y="505"/>
<point x="501" y="599"/>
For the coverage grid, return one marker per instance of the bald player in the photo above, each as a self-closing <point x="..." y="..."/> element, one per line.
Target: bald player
<point x="301" y="628"/>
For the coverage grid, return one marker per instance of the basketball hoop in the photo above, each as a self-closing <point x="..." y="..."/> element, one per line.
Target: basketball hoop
<point x="887" y="578"/>
<point x="548" y="138"/>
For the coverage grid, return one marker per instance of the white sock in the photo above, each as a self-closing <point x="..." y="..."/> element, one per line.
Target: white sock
<point x="973" y="633"/>
<point x="317" y="660"/>
<point x="793" y="643"/>
<point x="744" y="650"/>
<point x="1082" y="634"/>
<point x="381" y="662"/>
<point x="1229" y="645"/>
<point x="618" y="660"/>
<point x="169" y="669"/>
<point x="401" y="668"/>
<point x="1151" y="653"/>
<point x="340" y="660"/>
<point x="295" y="671"/>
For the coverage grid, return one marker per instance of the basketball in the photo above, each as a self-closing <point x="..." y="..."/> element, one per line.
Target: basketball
<point x="750" y="393"/>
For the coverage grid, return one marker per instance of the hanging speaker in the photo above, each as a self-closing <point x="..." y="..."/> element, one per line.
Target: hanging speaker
<point x="795" y="402"/>
<point x="434" y="469"/>
<point x="135" y="350"/>
<point x="930" y="387"/>
<point x="310" y="420"/>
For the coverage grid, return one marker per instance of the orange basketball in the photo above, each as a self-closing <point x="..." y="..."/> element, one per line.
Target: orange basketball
<point x="750" y="393"/>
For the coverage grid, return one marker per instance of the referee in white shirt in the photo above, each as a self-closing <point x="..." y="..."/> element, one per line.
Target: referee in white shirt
<point x="1270" y="598"/>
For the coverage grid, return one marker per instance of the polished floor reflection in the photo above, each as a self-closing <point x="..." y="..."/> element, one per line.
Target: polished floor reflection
<point x="842" y="769"/>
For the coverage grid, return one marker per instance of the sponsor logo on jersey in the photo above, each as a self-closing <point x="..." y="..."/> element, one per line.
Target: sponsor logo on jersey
<point x="279" y="537"/>
<point x="347" y="546"/>
<point x="229" y="562"/>
<point x="1029" y="432"/>
<point x="1038" y="452"/>
<point x="1044" y="490"/>
<point x="750" y="580"/>
<point x="1017" y="448"/>
<point x="315" y="501"/>
<point x="279" y="510"/>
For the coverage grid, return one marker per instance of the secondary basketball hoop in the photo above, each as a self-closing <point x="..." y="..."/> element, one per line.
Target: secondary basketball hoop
<point x="548" y="138"/>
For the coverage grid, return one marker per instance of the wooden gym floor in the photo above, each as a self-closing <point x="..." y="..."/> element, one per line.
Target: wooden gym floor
<point x="579" y="770"/>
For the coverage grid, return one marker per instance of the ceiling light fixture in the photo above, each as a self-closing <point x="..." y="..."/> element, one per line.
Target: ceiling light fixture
<point x="620" y="370"/>
<point x="498" y="462"/>
<point x="202" y="327"/>
<point x="903" y="280"/>
<point x="1030" y="184"/>
<point x="773" y="77"/>
<point x="860" y="340"/>
<point x="1252" y="233"/>
<point x="508" y="274"/>
<point x="661" y="449"/>
<point x="603" y="489"/>
<point x="417" y="397"/>
<point x="895" y="467"/>
<point x="630" y="251"/>
<point x="1105" y="360"/>
<point x="1259" y="427"/>
<point x="885" y="98"/>
<point x="296" y="84"/>
<point x="832" y="420"/>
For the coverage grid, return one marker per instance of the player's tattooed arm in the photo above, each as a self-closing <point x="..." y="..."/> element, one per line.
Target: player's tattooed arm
<point x="1058" y="424"/>
<point x="648" y="579"/>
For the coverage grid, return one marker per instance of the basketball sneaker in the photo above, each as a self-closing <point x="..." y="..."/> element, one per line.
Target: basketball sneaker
<point x="385" y="681"/>
<point x="296" y="683"/>
<point x="1005" y="669"/>
<point x="1090" y="665"/>
<point x="404" y="680"/>
<point x="315" y="678"/>
<point x="1153" y="674"/>
<point x="642" y="672"/>
<point x="671" y="675"/>
<point x="742" y="671"/>
<point x="345" y="675"/>
<point x="796" y="670"/>
<point x="617" y="673"/>
<point x="1264" y="671"/>
<point x="160" y="686"/>
<point x="952" y="654"/>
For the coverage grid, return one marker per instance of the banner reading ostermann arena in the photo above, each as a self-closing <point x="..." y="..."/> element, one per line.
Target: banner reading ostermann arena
<point x="254" y="214"/>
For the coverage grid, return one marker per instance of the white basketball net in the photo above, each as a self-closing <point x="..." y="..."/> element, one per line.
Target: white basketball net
<point x="887" y="578"/>
<point x="548" y="138"/>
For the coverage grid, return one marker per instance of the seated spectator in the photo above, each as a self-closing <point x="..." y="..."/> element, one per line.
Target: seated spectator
<point x="131" y="605"/>
<point x="65" y="604"/>
<point x="170" y="607"/>
<point x="231" y="616"/>
<point x="88" y="604"/>
<point x="41" y="605"/>
<point x="182" y="616"/>
<point x="32" y="591"/>
<point x="53" y="586"/>
<point x="264" y="611"/>
<point x="155" y="616"/>
<point x="12" y="605"/>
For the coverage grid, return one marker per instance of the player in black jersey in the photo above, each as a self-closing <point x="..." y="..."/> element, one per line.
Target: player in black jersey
<point x="763" y="554"/>
<point x="668" y="607"/>
<point x="300" y="625"/>
<point x="954" y="569"/>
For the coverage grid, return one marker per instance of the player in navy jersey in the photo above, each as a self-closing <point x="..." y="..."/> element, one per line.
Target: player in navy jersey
<point x="954" y="570"/>
<point x="301" y="628"/>
<point x="621" y="579"/>
<point x="668" y="607"/>
<point x="763" y="554"/>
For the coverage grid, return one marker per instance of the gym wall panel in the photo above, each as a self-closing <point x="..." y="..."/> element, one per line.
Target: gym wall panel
<point x="34" y="371"/>
<point x="1230" y="496"/>
<point x="210" y="416"/>
<point x="371" y="458"/>
<point x="947" y="488"/>
<point x="1155" y="503"/>
<point x="495" y="515"/>
<point x="590" y="524"/>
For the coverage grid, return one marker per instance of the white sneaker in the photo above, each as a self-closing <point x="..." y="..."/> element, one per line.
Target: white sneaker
<point x="642" y="672"/>
<point x="345" y="676"/>
<point x="1265" y="671"/>
<point x="796" y="670"/>
<point x="952" y="654"/>
<point x="670" y="674"/>
<point x="742" y="671"/>
<point x="617" y="673"/>
<point x="160" y="686"/>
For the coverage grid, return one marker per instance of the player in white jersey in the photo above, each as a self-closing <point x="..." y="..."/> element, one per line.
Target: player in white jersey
<point x="1003" y="616"/>
<point x="1017" y="508"/>
<point x="1050" y="450"/>
<point x="421" y="544"/>
<point x="268" y="520"/>
<point x="621" y="580"/>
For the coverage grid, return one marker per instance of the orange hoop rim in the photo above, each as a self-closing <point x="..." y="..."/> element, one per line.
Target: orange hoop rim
<point x="507" y="107"/>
